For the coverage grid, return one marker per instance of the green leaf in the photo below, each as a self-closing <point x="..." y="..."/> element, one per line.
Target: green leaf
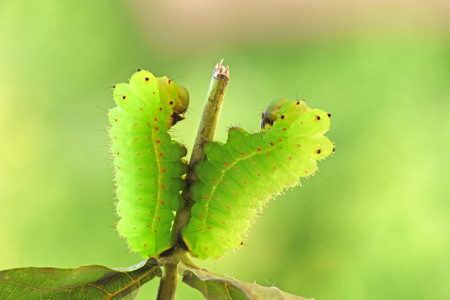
<point x="218" y="287"/>
<point x="85" y="282"/>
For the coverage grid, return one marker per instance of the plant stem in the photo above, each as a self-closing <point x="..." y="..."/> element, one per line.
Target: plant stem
<point x="205" y="133"/>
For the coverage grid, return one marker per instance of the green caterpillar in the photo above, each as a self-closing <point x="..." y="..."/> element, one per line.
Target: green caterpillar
<point x="148" y="163"/>
<point x="239" y="177"/>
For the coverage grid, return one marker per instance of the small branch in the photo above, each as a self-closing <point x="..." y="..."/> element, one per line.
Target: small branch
<point x="205" y="133"/>
<point x="210" y="117"/>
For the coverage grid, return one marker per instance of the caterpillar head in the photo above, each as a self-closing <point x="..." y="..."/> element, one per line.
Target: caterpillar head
<point x="283" y="109"/>
<point x="176" y="98"/>
<point x="272" y="112"/>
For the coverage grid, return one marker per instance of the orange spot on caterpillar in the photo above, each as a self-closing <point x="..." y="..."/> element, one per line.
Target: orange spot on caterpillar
<point x="156" y="128"/>
<point x="139" y="198"/>
<point x="149" y="138"/>
<point x="135" y="124"/>
<point x="140" y="184"/>
<point x="161" y="154"/>
<point x="259" y="149"/>
<point x="163" y="170"/>
<point x="215" y="180"/>
<point x="267" y="154"/>
<point x="134" y="139"/>
<point x="202" y="215"/>
<point x="137" y="212"/>
<point x="209" y="228"/>
<point x="117" y="153"/>
<point x="279" y="140"/>
<point x="153" y="93"/>
<point x="141" y="109"/>
<point x="318" y="118"/>
<point x="259" y="174"/>
<point x="162" y="202"/>
<point x="245" y="182"/>
<point x="201" y="229"/>
<point x="156" y="119"/>
<point x="116" y="137"/>
<point x="140" y="169"/>
<point x="284" y="129"/>
<point x="226" y="164"/>
<point x="318" y="151"/>
<point x="298" y="145"/>
<point x="138" y="154"/>
<point x="147" y="226"/>
<point x="228" y="207"/>
<point x="157" y="141"/>
<point x="274" y="167"/>
<point x="162" y="186"/>
<point x="169" y="82"/>
<point x="117" y="120"/>
<point x="223" y="222"/>
<point x="145" y="245"/>
<point x="243" y="154"/>
<point x="206" y="197"/>
<point x="290" y="158"/>
<point x="271" y="144"/>
<point x="160" y="109"/>
<point x="235" y="194"/>
<point x="147" y="79"/>
<point x="210" y="214"/>
<point x="159" y="218"/>
<point x="134" y="228"/>
<point x="155" y="230"/>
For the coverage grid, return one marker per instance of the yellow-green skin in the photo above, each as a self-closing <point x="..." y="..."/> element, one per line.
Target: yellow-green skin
<point x="148" y="163"/>
<point x="239" y="177"/>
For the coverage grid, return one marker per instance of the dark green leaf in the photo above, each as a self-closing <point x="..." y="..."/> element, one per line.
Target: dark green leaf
<point x="86" y="282"/>
<point x="218" y="287"/>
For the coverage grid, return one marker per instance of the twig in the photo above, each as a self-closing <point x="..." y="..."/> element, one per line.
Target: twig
<point x="205" y="133"/>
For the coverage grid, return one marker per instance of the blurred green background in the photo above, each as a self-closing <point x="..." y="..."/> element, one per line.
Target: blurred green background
<point x="374" y="224"/>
